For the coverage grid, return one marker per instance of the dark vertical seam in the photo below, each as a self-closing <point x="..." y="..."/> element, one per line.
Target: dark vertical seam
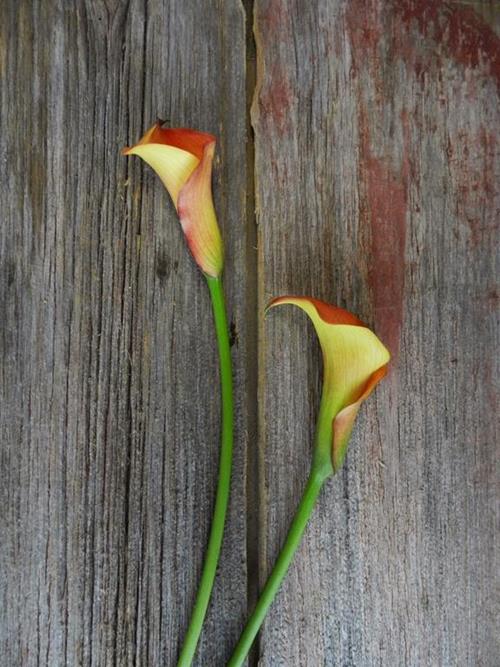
<point x="252" y="335"/>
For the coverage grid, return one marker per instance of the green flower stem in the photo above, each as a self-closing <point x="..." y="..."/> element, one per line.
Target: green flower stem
<point x="304" y="511"/>
<point x="321" y="470"/>
<point x="222" y="496"/>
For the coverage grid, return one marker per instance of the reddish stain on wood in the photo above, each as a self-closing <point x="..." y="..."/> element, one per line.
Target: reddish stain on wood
<point x="275" y="91"/>
<point x="489" y="303"/>
<point x="472" y="158"/>
<point x="378" y="33"/>
<point x="461" y="33"/>
<point x="364" y="28"/>
<point x="274" y="18"/>
<point x="384" y="189"/>
<point x="387" y="204"/>
<point x="275" y="99"/>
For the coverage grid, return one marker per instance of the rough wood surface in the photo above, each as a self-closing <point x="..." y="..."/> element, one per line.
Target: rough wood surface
<point x="377" y="167"/>
<point x="376" y="187"/>
<point x="110" y="407"/>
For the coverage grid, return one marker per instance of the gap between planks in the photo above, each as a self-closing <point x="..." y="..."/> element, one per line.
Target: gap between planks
<point x="253" y="307"/>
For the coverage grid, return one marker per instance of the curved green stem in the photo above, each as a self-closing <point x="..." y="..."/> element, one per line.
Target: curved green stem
<point x="222" y="496"/>
<point x="318" y="476"/>
<point x="321" y="470"/>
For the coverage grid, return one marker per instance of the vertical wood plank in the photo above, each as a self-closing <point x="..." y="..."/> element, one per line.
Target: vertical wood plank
<point x="110" y="409"/>
<point x="377" y="165"/>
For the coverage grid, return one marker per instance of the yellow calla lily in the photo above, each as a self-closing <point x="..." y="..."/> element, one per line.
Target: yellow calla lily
<point x="354" y="361"/>
<point x="183" y="158"/>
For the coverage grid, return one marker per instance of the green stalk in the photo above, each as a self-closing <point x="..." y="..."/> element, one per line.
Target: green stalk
<point x="321" y="470"/>
<point x="222" y="496"/>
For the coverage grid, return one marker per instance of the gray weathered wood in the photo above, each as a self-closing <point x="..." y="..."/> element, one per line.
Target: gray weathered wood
<point x="376" y="187"/>
<point x="110" y="410"/>
<point x="377" y="168"/>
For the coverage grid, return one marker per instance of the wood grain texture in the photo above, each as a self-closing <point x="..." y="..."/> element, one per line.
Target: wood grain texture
<point x="377" y="171"/>
<point x="376" y="187"/>
<point x="110" y="409"/>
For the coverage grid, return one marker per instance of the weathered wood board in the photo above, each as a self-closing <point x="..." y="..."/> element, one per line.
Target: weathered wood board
<point x="110" y="407"/>
<point x="375" y="186"/>
<point x="377" y="183"/>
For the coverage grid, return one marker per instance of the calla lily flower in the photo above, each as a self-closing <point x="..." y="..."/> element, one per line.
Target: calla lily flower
<point x="354" y="361"/>
<point x="183" y="159"/>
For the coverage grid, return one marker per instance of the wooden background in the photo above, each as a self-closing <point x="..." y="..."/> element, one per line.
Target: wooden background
<point x="359" y="162"/>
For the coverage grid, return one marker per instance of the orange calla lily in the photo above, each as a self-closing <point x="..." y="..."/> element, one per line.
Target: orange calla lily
<point x="354" y="362"/>
<point x="183" y="158"/>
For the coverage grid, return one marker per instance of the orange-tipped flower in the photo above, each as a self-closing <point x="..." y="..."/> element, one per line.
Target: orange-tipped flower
<point x="182" y="159"/>
<point x="354" y="362"/>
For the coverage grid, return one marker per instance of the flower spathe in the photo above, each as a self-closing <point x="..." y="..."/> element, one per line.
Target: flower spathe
<point x="354" y="361"/>
<point x="183" y="158"/>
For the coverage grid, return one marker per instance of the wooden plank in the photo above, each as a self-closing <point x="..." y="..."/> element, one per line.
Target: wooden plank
<point x="377" y="169"/>
<point x="110" y="410"/>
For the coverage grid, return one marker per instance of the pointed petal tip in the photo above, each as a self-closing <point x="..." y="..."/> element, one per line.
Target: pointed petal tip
<point x="286" y="299"/>
<point x="276" y="301"/>
<point x="328" y="313"/>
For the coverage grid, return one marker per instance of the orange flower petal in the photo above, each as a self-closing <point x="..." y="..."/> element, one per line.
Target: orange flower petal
<point x="188" y="140"/>
<point x="343" y="423"/>
<point x="327" y="312"/>
<point x="183" y="158"/>
<point x="197" y="216"/>
<point x="354" y="361"/>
